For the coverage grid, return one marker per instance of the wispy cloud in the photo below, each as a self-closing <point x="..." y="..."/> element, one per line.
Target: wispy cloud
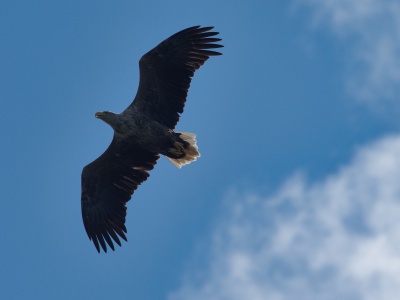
<point x="370" y="29"/>
<point x="338" y="238"/>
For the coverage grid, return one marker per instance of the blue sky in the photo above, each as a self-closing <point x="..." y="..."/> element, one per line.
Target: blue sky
<point x="296" y="192"/>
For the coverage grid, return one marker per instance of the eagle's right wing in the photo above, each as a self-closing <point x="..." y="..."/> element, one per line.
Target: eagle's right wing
<point x="107" y="184"/>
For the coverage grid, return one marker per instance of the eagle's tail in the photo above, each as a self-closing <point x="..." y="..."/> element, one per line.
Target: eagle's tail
<point x="188" y="148"/>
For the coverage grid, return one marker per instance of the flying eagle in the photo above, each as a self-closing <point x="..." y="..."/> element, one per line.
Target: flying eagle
<point x="143" y="131"/>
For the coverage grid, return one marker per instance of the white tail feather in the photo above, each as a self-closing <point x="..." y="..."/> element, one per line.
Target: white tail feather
<point x="192" y="153"/>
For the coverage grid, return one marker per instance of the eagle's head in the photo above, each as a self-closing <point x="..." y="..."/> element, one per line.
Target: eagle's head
<point x="109" y="117"/>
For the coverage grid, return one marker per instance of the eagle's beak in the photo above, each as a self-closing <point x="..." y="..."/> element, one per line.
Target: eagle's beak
<point x="99" y="115"/>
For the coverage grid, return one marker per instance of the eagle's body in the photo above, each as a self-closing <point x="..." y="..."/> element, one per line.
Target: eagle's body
<point x="142" y="132"/>
<point x="136" y="128"/>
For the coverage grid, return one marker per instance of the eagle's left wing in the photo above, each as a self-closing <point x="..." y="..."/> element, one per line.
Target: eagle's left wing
<point x="167" y="70"/>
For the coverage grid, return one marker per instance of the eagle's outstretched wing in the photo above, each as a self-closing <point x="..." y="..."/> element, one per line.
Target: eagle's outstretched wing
<point x="167" y="70"/>
<point x="107" y="184"/>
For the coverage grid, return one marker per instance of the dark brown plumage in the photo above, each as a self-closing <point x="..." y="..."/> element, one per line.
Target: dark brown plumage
<point x="144" y="131"/>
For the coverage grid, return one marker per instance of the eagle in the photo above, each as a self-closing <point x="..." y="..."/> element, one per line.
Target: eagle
<point x="143" y="131"/>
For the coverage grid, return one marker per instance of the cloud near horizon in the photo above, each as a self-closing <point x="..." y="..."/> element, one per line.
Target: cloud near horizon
<point x="337" y="238"/>
<point x="370" y="30"/>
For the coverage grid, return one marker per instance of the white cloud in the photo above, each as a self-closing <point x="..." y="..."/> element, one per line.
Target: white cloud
<point x="338" y="238"/>
<point x="371" y="29"/>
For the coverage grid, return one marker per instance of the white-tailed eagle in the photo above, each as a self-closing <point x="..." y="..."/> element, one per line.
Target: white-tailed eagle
<point x="143" y="131"/>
